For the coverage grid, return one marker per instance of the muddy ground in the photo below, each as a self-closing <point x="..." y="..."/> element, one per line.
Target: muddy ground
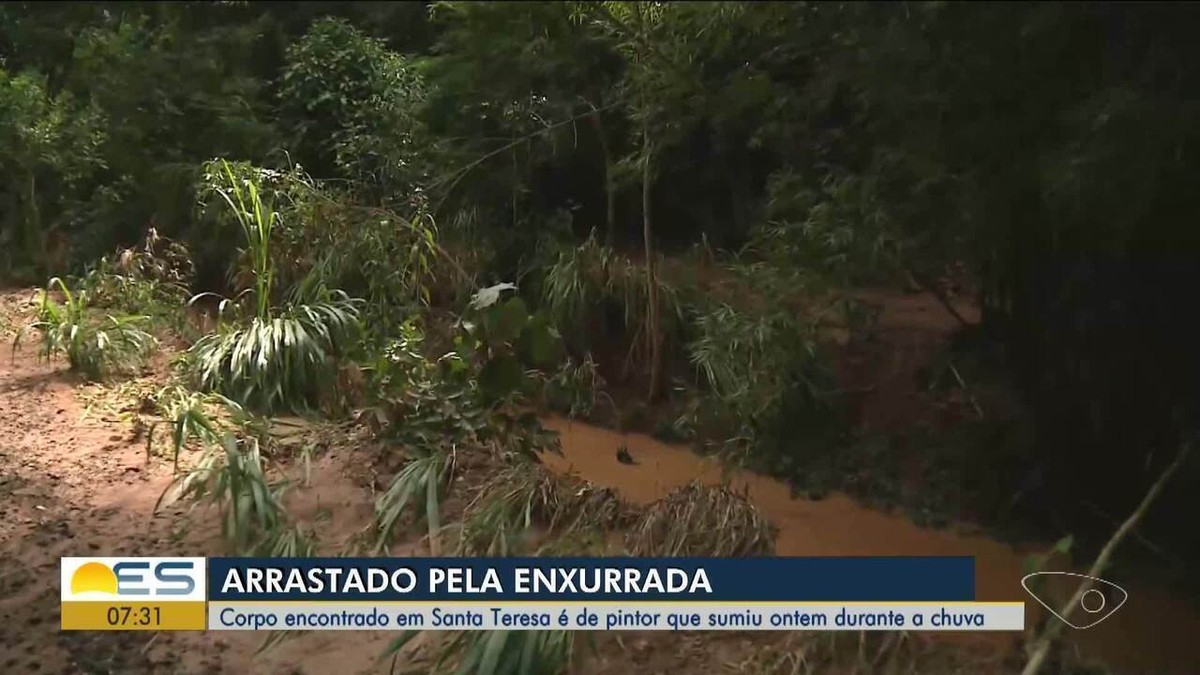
<point x="75" y="479"/>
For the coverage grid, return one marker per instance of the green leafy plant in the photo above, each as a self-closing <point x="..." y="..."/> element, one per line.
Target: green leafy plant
<point x="465" y="401"/>
<point x="190" y="416"/>
<point x="575" y="282"/>
<point x="745" y="358"/>
<point x="430" y="409"/>
<point x="586" y="279"/>
<point x="419" y="484"/>
<point x="767" y="379"/>
<point x="575" y="388"/>
<point x="280" y="357"/>
<point x="843" y="228"/>
<point x="231" y="475"/>
<point x="401" y="360"/>
<point x="393" y="263"/>
<point x="95" y="346"/>
<point x="351" y="104"/>
<point x="152" y="279"/>
<point x="50" y="150"/>
<point x="470" y="397"/>
<point x="276" y="362"/>
<point x="503" y="335"/>
<point x="437" y="420"/>
<point x="230" y="472"/>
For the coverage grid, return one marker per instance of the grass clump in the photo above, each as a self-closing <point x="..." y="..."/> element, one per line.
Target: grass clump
<point x="535" y="652"/>
<point x="281" y="356"/>
<point x="231" y="474"/>
<point x="702" y="521"/>
<point x="499" y="519"/>
<point x="96" y="346"/>
<point x="418" y="483"/>
<point x="504" y="510"/>
<point x="191" y="418"/>
<point x="276" y="362"/>
<point x="152" y="279"/>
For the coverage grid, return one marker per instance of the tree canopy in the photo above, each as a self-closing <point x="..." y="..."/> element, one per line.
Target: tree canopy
<point x="1048" y="148"/>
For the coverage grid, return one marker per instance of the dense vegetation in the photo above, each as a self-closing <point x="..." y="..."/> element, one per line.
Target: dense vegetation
<point x="676" y="193"/>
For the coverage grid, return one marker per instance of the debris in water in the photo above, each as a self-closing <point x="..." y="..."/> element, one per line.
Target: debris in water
<point x="624" y="457"/>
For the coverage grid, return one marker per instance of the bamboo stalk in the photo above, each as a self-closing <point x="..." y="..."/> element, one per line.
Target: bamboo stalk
<point x="652" y="327"/>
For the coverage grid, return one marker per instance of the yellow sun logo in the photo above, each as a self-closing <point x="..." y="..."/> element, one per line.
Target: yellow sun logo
<point x="94" y="577"/>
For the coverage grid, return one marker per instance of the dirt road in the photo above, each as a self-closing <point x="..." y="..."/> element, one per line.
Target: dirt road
<point x="77" y="482"/>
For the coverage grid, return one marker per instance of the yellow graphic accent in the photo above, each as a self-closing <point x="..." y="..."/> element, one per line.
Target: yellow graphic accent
<point x="134" y="616"/>
<point x="94" y="577"/>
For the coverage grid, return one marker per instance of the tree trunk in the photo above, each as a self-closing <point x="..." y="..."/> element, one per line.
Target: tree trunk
<point x="610" y="189"/>
<point x="35" y="242"/>
<point x="652" y="327"/>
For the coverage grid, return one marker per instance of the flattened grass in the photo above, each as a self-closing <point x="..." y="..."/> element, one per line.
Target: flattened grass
<point x="702" y="521"/>
<point x="524" y="495"/>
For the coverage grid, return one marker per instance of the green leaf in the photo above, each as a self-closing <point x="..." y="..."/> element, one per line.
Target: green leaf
<point x="493" y="650"/>
<point x="505" y="322"/>
<point x="1032" y="563"/>
<point x="1064" y="545"/>
<point x="500" y="376"/>
<point x="432" y="515"/>
<point x="542" y="344"/>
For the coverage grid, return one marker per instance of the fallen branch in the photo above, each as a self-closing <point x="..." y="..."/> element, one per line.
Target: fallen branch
<point x="970" y="396"/>
<point x="1042" y="650"/>
<point x="932" y="288"/>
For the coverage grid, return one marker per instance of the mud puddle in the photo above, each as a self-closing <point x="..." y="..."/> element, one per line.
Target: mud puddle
<point x="1152" y="633"/>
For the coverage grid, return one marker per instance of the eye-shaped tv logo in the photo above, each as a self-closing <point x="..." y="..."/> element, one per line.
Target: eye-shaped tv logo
<point x="1098" y="603"/>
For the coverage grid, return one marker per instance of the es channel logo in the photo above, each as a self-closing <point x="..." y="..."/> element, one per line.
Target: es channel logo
<point x="1096" y="604"/>
<point x="133" y="579"/>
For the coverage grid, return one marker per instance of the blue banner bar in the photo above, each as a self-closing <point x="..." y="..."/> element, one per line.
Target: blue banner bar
<point x="883" y="579"/>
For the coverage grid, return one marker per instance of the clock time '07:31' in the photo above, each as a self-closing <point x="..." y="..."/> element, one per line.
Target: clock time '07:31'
<point x="144" y="615"/>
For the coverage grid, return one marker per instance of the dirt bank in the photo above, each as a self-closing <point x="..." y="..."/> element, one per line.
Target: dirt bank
<point x="76" y="482"/>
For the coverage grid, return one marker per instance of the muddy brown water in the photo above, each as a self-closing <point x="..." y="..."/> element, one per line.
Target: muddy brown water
<point x="1152" y="633"/>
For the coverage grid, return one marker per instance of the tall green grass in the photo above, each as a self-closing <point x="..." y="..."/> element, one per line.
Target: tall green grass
<point x="276" y="362"/>
<point x="419" y="484"/>
<point x="278" y="357"/>
<point x="96" y="346"/>
<point x="231" y="474"/>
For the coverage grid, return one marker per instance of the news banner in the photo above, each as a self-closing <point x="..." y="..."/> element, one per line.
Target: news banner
<point x="592" y="594"/>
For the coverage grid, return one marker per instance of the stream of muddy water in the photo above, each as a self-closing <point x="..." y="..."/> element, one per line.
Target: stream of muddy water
<point x="1152" y="633"/>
